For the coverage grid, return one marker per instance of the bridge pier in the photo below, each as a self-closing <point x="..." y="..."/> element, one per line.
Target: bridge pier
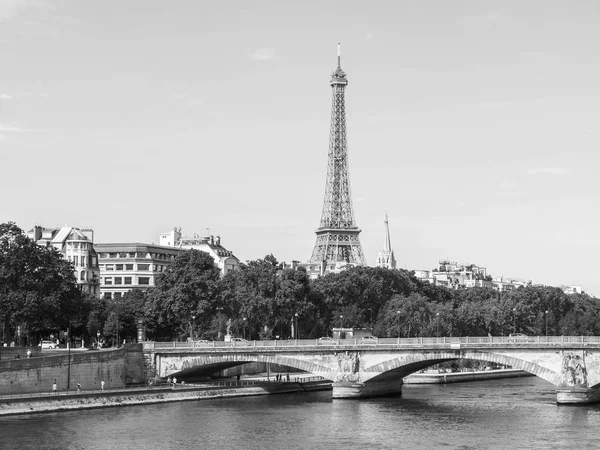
<point x="577" y="395"/>
<point x="356" y="390"/>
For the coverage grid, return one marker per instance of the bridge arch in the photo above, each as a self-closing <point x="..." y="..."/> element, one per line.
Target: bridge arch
<point x="208" y="364"/>
<point x="405" y="365"/>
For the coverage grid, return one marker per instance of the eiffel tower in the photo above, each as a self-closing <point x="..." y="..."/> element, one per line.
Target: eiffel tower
<point x="337" y="236"/>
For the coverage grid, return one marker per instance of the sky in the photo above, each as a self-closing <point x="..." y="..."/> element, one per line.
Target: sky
<point x="473" y="124"/>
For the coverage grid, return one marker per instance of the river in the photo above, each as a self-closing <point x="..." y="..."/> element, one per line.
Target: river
<point x="517" y="413"/>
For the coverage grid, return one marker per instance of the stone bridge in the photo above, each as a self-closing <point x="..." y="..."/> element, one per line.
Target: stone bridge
<point x="377" y="368"/>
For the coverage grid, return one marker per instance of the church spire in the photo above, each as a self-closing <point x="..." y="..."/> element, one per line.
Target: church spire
<point x="385" y="258"/>
<point x="387" y="243"/>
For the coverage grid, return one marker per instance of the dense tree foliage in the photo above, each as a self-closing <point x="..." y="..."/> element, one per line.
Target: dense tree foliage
<point x="38" y="290"/>
<point x="187" y="289"/>
<point x="264" y="300"/>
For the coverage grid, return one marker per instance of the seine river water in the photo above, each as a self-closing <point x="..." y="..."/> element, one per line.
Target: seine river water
<point x="500" y="414"/>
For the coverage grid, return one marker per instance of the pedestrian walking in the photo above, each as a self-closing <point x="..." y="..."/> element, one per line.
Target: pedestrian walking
<point x="174" y="382"/>
<point x="54" y="388"/>
<point x="78" y="388"/>
<point x="102" y="385"/>
<point x="287" y="377"/>
<point x="28" y="353"/>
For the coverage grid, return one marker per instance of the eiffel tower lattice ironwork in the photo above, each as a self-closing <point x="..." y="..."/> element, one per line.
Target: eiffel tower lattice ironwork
<point x="337" y="235"/>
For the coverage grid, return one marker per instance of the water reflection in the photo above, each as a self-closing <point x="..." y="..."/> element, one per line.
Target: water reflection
<point x="515" y="413"/>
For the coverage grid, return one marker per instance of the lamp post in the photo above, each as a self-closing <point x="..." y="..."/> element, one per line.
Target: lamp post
<point x="546" y="320"/>
<point x="437" y="324"/>
<point x="69" y="357"/>
<point x="398" y="321"/>
<point x="98" y="340"/>
<point x="219" y="313"/>
<point x="514" y="320"/>
<point x="193" y="326"/>
<point x="371" y="319"/>
<point x="297" y="330"/>
<point x="244" y="319"/>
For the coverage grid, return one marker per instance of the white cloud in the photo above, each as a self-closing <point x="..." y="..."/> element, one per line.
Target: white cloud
<point x="368" y="36"/>
<point x="12" y="8"/>
<point x="2" y="136"/>
<point x="547" y="170"/>
<point x="263" y="54"/>
<point x="5" y="97"/>
<point x="5" y="127"/>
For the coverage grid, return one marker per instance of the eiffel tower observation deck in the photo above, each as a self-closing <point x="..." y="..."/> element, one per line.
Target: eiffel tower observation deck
<point x="337" y="236"/>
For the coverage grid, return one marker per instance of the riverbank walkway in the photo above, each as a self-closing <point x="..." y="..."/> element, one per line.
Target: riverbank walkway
<point x="246" y="381"/>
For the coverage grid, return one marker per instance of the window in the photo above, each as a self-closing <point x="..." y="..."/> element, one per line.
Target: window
<point x="144" y="267"/>
<point x="117" y="295"/>
<point x="82" y="276"/>
<point x="122" y="255"/>
<point x="110" y="267"/>
<point x="118" y="266"/>
<point x="127" y="280"/>
<point x="112" y="255"/>
<point x="75" y="260"/>
<point x="108" y="295"/>
<point x="128" y="266"/>
<point x="101" y="266"/>
<point x="144" y="281"/>
<point x="108" y="280"/>
<point x="118" y="280"/>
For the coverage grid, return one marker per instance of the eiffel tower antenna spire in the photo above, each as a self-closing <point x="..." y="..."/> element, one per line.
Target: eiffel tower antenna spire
<point x="337" y="235"/>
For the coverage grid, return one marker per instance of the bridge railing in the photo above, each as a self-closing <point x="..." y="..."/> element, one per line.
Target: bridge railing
<point x="443" y="342"/>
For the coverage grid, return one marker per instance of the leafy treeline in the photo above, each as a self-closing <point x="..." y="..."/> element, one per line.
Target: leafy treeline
<point x="261" y="300"/>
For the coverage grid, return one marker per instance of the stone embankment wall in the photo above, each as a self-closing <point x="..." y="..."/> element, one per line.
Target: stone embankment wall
<point x="89" y="368"/>
<point x="134" y="364"/>
<point x="8" y="353"/>
<point x="107" y="399"/>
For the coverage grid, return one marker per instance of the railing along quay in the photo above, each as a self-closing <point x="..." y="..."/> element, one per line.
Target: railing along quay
<point x="144" y="388"/>
<point x="442" y="342"/>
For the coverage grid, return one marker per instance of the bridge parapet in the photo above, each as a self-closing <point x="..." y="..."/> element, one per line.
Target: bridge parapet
<point x="572" y="363"/>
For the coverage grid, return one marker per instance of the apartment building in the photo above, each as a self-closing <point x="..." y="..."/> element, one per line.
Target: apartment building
<point x="131" y="266"/>
<point x="224" y="259"/>
<point x="77" y="246"/>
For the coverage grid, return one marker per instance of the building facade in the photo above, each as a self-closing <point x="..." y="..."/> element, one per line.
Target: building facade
<point x="77" y="246"/>
<point x="224" y="259"/>
<point x="456" y="276"/>
<point x="124" y="267"/>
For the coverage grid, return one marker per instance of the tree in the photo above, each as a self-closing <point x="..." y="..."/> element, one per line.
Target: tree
<point x="268" y="297"/>
<point x="188" y="288"/>
<point x="38" y="289"/>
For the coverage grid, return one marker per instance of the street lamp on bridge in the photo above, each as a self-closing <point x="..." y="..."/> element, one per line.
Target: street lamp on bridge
<point x="219" y="317"/>
<point x="297" y="330"/>
<point x="546" y="320"/>
<point x="398" y="317"/>
<point x="193" y="326"/>
<point x="514" y="320"/>
<point x="437" y="324"/>
<point x="244" y="319"/>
